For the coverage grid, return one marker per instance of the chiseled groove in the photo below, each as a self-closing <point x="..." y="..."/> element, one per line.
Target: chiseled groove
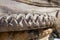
<point x="41" y="3"/>
<point x="26" y="20"/>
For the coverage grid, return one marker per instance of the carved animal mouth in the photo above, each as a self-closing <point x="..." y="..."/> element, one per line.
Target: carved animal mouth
<point x="25" y="21"/>
<point x="12" y="19"/>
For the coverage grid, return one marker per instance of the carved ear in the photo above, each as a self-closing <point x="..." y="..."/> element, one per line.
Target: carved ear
<point x="54" y="14"/>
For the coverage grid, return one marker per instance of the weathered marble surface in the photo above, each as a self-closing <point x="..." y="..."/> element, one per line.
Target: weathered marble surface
<point x="48" y="3"/>
<point x="16" y="7"/>
<point x="13" y="7"/>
